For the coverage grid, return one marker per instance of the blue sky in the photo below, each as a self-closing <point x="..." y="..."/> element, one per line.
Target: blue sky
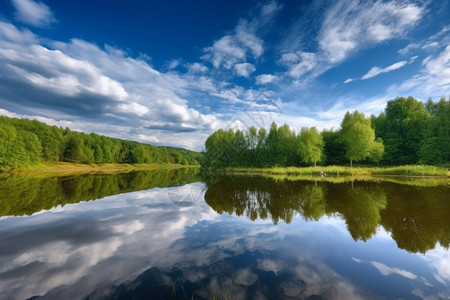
<point x="172" y="72"/>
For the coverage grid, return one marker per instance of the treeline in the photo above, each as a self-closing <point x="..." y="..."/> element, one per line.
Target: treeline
<point x="24" y="143"/>
<point x="407" y="132"/>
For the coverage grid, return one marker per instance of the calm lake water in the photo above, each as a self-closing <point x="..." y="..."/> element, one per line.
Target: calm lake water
<point x="174" y="235"/>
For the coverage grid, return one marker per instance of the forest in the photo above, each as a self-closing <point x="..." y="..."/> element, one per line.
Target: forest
<point x="24" y="143"/>
<point x="406" y="132"/>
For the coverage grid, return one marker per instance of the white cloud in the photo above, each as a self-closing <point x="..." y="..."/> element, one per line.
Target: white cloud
<point x="146" y="138"/>
<point x="32" y="12"/>
<point x="439" y="258"/>
<point x="349" y="80"/>
<point x="386" y="271"/>
<point x="244" y="69"/>
<point x="351" y="25"/>
<point x="242" y="43"/>
<point x="433" y="79"/>
<point x="197" y="68"/>
<point x="299" y="63"/>
<point x="173" y="64"/>
<point x="433" y="42"/>
<point x="232" y="49"/>
<point x="134" y="108"/>
<point x="408" y="48"/>
<point x="10" y="35"/>
<point x="81" y="81"/>
<point x="376" y="71"/>
<point x="53" y="70"/>
<point x="265" y="78"/>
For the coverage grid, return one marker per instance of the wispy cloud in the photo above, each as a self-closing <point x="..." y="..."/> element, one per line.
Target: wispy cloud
<point x="347" y="27"/>
<point x="299" y="63"/>
<point x="439" y="39"/>
<point x="386" y="271"/>
<point x="433" y="78"/>
<point x="351" y="25"/>
<point x="375" y="71"/>
<point x="33" y="13"/>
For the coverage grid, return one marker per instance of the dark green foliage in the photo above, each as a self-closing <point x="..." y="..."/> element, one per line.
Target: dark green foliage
<point x="334" y="151"/>
<point x="413" y="132"/>
<point x="24" y="143"/>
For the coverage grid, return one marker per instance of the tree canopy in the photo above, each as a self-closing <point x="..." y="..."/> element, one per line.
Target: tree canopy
<point x="310" y="145"/>
<point x="359" y="138"/>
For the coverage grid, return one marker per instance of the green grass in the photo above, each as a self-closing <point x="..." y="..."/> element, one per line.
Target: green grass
<point x="408" y="170"/>
<point x="411" y="170"/>
<point x="68" y="168"/>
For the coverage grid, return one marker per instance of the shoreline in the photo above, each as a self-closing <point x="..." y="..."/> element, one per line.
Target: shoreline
<point x="64" y="168"/>
<point x="337" y="171"/>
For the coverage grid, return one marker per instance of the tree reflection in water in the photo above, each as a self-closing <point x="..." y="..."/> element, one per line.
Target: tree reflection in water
<point x="417" y="217"/>
<point x="25" y="194"/>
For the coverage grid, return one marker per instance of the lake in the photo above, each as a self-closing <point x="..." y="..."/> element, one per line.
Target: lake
<point x="174" y="234"/>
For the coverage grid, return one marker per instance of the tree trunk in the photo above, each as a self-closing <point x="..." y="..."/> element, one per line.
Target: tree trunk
<point x="351" y="163"/>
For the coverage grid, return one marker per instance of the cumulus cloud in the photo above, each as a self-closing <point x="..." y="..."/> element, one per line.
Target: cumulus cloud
<point x="78" y="80"/>
<point x="231" y="49"/>
<point x="244" y="69"/>
<point x="34" y="13"/>
<point x="242" y="43"/>
<point x="197" y="68"/>
<point x="265" y="78"/>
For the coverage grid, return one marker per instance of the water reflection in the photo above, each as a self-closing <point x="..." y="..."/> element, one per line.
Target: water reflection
<point x="25" y="194"/>
<point x="165" y="243"/>
<point x="417" y="217"/>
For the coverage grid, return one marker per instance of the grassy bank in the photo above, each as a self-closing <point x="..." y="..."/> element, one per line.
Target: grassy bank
<point x="409" y="170"/>
<point x="68" y="168"/>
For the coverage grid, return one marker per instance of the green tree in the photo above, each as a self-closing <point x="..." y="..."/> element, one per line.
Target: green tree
<point x="310" y="145"/>
<point x="376" y="150"/>
<point x="357" y="136"/>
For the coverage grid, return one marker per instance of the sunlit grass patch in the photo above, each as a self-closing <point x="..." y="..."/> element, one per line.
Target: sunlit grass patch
<point x="411" y="170"/>
<point x="408" y="170"/>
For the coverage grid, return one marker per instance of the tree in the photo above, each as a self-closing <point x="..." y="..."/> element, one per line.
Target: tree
<point x="403" y="128"/>
<point x="310" y="146"/>
<point x="357" y="136"/>
<point x="334" y="151"/>
<point x="376" y="150"/>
